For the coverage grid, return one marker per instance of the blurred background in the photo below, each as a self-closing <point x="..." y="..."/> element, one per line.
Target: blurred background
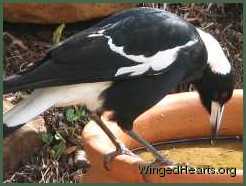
<point x="31" y="29"/>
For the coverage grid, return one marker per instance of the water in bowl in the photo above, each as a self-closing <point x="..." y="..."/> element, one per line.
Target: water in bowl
<point x="201" y="154"/>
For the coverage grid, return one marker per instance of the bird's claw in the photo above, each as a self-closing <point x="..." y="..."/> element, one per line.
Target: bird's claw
<point x="162" y="162"/>
<point x="119" y="151"/>
<point x="212" y="140"/>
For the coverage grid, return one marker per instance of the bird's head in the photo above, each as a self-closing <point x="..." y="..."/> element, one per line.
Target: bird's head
<point x="215" y="89"/>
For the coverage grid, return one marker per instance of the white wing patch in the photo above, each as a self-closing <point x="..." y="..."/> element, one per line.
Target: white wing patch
<point x="133" y="70"/>
<point x="217" y="60"/>
<point x="157" y="62"/>
<point x="97" y="34"/>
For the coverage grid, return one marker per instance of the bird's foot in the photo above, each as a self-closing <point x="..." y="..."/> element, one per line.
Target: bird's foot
<point x="162" y="162"/>
<point x="212" y="140"/>
<point x="119" y="151"/>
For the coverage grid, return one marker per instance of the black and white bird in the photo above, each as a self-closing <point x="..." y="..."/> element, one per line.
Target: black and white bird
<point x="126" y="64"/>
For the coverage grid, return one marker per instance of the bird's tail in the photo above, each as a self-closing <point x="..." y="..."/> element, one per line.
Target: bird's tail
<point x="39" y="101"/>
<point x="35" y="77"/>
<point x="12" y="83"/>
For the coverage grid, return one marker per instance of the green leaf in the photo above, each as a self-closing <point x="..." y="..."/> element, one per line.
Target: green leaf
<point x="82" y="113"/>
<point x="47" y="138"/>
<point x="57" y="35"/>
<point x="52" y="153"/>
<point x="76" y="114"/>
<point x="70" y="114"/>
<point x="58" y="150"/>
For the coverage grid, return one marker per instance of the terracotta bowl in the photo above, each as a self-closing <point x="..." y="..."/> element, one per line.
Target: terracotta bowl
<point x="178" y="116"/>
<point x="48" y="13"/>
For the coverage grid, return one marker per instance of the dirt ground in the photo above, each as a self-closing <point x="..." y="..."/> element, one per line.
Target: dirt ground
<point x="24" y="44"/>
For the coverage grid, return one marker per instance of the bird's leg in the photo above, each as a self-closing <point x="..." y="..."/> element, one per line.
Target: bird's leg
<point x="159" y="158"/>
<point x="120" y="147"/>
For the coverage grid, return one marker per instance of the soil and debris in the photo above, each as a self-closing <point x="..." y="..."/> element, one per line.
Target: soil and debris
<point x="62" y="159"/>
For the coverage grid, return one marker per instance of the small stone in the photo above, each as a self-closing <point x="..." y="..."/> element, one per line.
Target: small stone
<point x="81" y="160"/>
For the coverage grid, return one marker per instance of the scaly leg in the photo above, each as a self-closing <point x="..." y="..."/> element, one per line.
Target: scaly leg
<point x="150" y="148"/>
<point x="120" y="147"/>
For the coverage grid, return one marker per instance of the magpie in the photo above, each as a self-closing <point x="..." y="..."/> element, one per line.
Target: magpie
<point x="126" y="64"/>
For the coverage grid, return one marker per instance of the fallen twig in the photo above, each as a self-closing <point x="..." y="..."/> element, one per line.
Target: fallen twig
<point x="15" y="41"/>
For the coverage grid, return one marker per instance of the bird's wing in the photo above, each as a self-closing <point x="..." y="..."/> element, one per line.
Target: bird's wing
<point x="127" y="45"/>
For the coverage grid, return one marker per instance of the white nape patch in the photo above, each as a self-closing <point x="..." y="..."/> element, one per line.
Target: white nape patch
<point x="42" y="99"/>
<point x="217" y="59"/>
<point x="157" y="62"/>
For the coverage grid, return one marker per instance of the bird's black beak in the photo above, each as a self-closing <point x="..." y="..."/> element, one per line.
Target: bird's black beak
<point x="216" y="117"/>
